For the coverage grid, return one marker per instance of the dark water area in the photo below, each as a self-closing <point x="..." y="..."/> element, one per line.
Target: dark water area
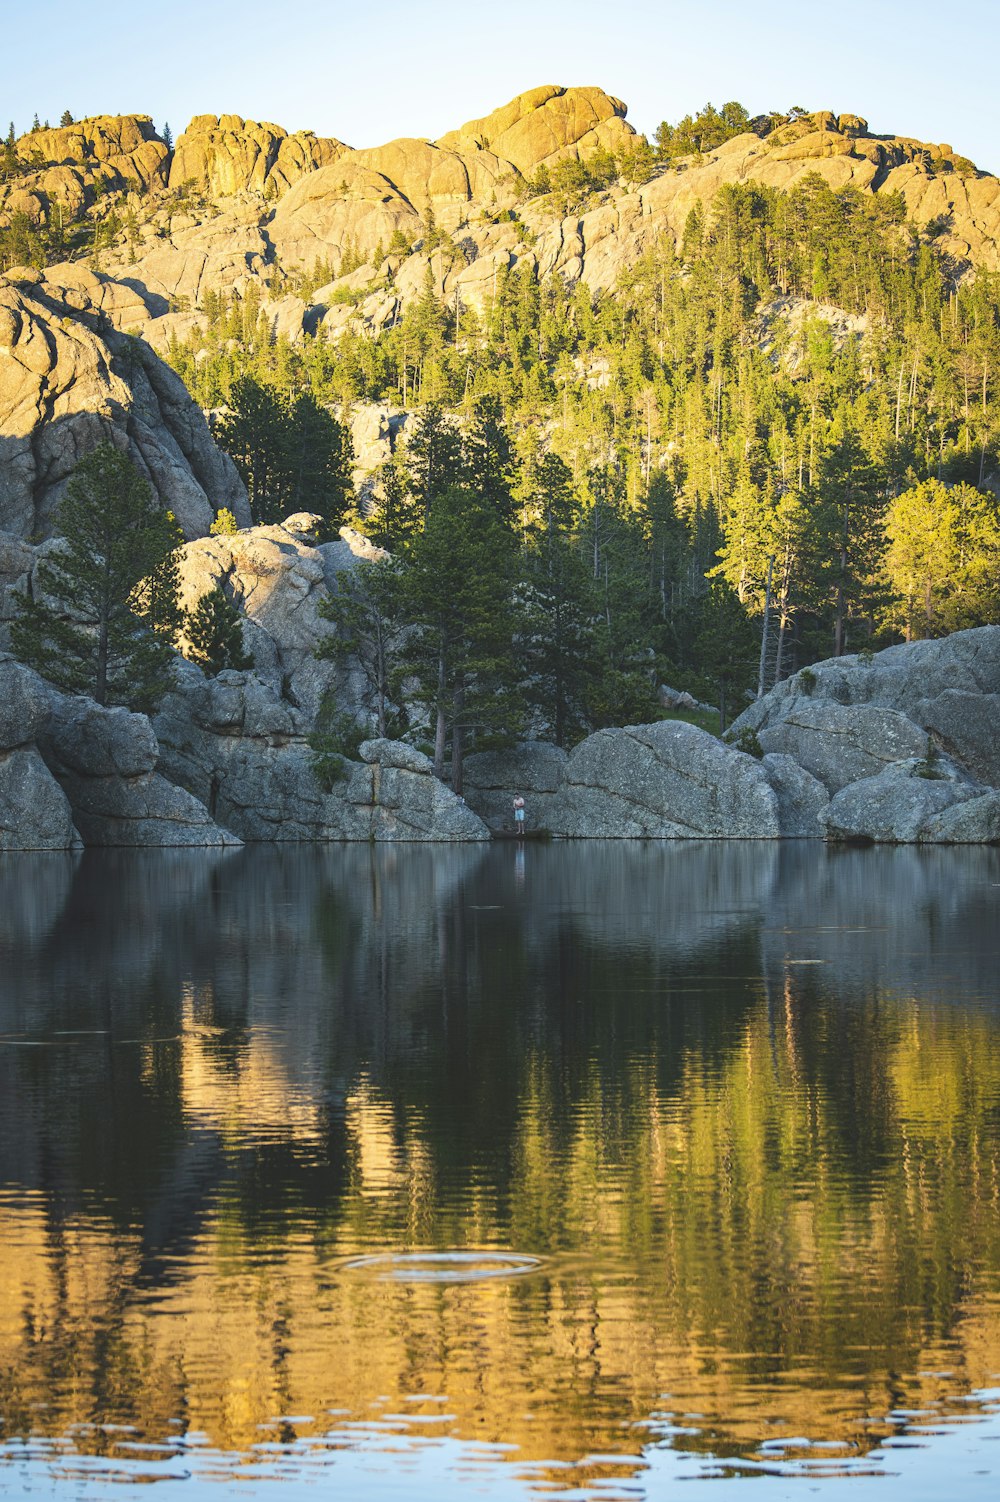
<point x="506" y="1172"/>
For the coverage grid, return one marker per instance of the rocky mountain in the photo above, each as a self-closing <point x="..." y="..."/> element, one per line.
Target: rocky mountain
<point x="239" y="203"/>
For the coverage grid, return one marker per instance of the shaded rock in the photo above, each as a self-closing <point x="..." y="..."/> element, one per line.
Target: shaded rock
<point x="670" y="780"/>
<point x="949" y="688"/>
<point x="104" y="760"/>
<point x="838" y="744"/>
<point x="98" y="742"/>
<point x="141" y="811"/>
<point x="238" y="748"/>
<point x="905" y="678"/>
<point x="802" y="799"/>
<point x="25" y="704"/>
<point x="396" y="754"/>
<point x="974" y="822"/>
<point x="967" y="726"/>
<point x="405" y="801"/>
<point x="241" y="750"/>
<point x="35" y="813"/>
<point x="280" y="578"/>
<point x="902" y="805"/>
<point x="16" y="561"/>
<point x="492" y="779"/>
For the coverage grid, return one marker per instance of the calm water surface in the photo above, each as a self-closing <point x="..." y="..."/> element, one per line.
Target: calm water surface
<point x="563" y="1171"/>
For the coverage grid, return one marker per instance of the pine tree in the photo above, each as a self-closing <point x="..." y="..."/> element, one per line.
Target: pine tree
<point x="557" y="642"/>
<point x="65" y="119"/>
<point x="214" y="632"/>
<point x="292" y="455"/>
<point x="367" y="610"/>
<point x="458" y="590"/>
<point x="96" y="627"/>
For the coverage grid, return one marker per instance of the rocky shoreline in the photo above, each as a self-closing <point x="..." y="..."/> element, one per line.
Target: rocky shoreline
<point x="897" y="748"/>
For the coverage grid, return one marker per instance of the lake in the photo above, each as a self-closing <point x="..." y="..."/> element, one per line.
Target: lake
<point x="513" y="1172"/>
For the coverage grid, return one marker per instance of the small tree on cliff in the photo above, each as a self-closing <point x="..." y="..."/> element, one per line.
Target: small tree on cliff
<point x="104" y="616"/>
<point x="215" y="634"/>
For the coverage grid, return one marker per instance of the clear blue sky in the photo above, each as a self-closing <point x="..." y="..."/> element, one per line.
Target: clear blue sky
<point x="366" y="73"/>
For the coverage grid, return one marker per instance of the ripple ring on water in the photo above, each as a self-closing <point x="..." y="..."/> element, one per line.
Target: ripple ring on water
<point x="444" y="1267"/>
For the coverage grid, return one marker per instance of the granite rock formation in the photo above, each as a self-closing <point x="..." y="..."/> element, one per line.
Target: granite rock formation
<point x="69" y="381"/>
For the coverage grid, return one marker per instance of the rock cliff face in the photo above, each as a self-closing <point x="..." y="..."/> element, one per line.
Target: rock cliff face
<point x="544" y="126"/>
<point x="68" y="381"/>
<point x="70" y="166"/>
<point x="280" y="576"/>
<point x="225" y="155"/>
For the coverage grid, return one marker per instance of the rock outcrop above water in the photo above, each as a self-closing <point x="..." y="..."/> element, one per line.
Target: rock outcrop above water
<point x="69" y="381"/>
<point x="670" y="780"/>
<point x="906" y="742"/>
<point x="34" y="811"/>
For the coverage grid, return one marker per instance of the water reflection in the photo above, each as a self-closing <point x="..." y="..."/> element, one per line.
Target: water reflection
<point x="742" y="1104"/>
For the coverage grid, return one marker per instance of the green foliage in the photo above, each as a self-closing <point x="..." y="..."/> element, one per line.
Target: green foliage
<point x="214" y="633"/>
<point x="334" y="742"/>
<point x="717" y="416"/>
<point x="943" y="558"/>
<point x="292" y="454"/>
<point x="702" y="132"/>
<point x="106" y="615"/>
<point x="747" y="741"/>
<point x="224" y="524"/>
<point x="367" y="610"/>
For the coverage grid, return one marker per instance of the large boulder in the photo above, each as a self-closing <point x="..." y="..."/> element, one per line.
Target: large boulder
<point x="802" y="799"/>
<point x="93" y="741"/>
<point x="241" y="750"/>
<point x="967" y="726"/>
<point x="839" y="744"/>
<point x="915" y="801"/>
<point x="406" y="801"/>
<point x="669" y="780"/>
<point x="226" y="155"/>
<point x="849" y="717"/>
<point x="492" y="780"/>
<point x="34" y="811"/>
<point x="25" y="704"/>
<point x="546" y="125"/>
<point x="69" y="381"/>
<point x="104" y="760"/>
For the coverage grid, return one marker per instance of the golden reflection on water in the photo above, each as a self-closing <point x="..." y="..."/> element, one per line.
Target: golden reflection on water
<point x="796" y="1233"/>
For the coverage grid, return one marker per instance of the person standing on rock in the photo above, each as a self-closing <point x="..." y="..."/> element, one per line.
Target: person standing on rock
<point x="519" y="814"/>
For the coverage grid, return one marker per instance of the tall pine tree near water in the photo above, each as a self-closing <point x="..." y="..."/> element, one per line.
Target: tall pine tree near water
<point x="105" y="617"/>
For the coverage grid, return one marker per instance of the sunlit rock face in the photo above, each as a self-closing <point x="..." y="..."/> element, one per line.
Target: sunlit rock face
<point x="227" y="155"/>
<point x="69" y="381"/>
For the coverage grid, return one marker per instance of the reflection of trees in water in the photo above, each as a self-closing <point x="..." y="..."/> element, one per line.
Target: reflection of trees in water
<point x="754" y="1177"/>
